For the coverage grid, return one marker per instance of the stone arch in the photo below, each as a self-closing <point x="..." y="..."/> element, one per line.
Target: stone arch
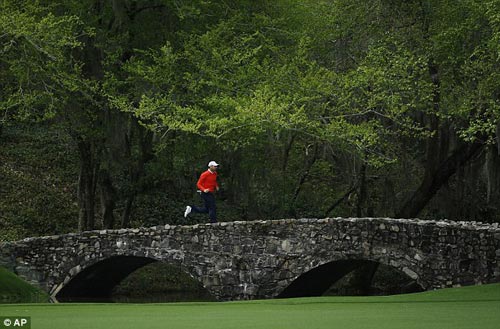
<point x="316" y="278"/>
<point x="96" y="279"/>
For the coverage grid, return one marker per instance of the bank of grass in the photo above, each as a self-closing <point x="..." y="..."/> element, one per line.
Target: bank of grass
<point x="468" y="307"/>
<point x="15" y="290"/>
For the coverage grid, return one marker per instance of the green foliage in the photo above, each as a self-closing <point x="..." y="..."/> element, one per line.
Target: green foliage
<point x="37" y="190"/>
<point x="38" y="70"/>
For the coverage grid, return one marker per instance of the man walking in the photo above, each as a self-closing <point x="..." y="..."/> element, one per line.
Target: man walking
<point x="207" y="186"/>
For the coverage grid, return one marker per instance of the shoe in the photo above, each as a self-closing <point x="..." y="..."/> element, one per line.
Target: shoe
<point x="187" y="212"/>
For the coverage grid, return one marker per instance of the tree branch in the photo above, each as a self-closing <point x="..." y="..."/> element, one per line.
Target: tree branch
<point x="341" y="199"/>
<point x="40" y="49"/>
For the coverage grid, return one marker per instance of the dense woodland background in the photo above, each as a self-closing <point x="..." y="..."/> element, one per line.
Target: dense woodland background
<point x="109" y="110"/>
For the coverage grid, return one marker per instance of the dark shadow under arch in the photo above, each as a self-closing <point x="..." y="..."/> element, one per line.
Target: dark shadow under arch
<point x="96" y="282"/>
<point x="318" y="280"/>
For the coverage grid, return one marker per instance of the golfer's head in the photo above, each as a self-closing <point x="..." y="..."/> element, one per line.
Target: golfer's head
<point x="212" y="165"/>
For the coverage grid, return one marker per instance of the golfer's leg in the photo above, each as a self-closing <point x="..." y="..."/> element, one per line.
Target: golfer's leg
<point x="212" y="209"/>
<point x="200" y="210"/>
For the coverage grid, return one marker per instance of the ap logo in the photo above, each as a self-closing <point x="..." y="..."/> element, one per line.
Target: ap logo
<point x="13" y="322"/>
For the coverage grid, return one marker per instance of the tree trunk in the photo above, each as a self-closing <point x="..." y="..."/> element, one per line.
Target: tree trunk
<point x="286" y="152"/>
<point x="108" y="197"/>
<point x="127" y="212"/>
<point x="137" y="171"/>
<point x="234" y="179"/>
<point x="432" y="182"/>
<point x="341" y="199"/>
<point x="433" y="155"/>
<point x="305" y="173"/>
<point x="492" y="168"/>
<point x="432" y="149"/>
<point x="498" y="137"/>
<point x="86" y="186"/>
<point x="362" y="190"/>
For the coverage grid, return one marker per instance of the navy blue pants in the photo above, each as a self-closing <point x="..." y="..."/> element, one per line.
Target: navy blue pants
<point x="209" y="207"/>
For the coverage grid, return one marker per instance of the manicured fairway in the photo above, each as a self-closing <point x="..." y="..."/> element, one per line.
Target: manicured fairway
<point x="469" y="307"/>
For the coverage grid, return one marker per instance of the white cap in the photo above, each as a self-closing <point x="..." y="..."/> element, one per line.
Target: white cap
<point x="213" y="163"/>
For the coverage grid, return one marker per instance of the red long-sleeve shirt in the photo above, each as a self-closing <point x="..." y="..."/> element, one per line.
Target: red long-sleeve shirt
<point x="208" y="180"/>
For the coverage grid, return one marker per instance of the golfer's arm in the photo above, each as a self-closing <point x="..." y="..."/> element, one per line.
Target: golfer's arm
<point x="200" y="183"/>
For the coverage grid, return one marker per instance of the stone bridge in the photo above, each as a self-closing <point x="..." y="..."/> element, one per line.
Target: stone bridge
<point x="261" y="259"/>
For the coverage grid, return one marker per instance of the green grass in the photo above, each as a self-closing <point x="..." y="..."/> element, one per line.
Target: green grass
<point x="468" y="307"/>
<point x="15" y="290"/>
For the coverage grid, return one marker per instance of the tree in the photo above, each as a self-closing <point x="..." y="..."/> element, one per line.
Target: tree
<point x="355" y="108"/>
<point x="413" y="69"/>
<point x="68" y="51"/>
